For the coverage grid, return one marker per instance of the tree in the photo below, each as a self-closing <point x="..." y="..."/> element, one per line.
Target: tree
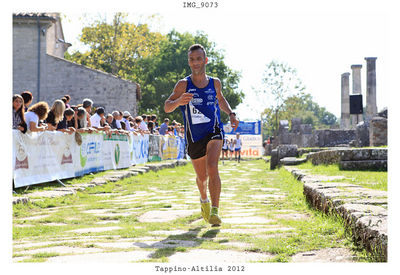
<point x="160" y="73"/>
<point x="116" y="48"/>
<point x="279" y="81"/>
<point x="301" y="106"/>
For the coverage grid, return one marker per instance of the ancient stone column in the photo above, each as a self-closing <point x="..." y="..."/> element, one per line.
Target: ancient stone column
<point x="356" y="76"/>
<point x="345" y="115"/>
<point x="371" y="88"/>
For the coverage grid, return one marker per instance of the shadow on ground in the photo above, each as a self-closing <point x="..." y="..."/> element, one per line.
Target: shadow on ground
<point x="177" y="243"/>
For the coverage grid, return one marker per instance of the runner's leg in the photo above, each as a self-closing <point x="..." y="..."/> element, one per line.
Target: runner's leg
<point x="214" y="181"/>
<point x="200" y="168"/>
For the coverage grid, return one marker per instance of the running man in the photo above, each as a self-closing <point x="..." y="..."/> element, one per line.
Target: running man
<point x="200" y="99"/>
<point x="238" y="147"/>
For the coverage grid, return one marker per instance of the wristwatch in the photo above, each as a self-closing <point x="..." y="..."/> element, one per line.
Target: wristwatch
<point x="232" y="113"/>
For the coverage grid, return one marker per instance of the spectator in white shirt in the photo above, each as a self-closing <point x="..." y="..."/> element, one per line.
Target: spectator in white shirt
<point x="35" y="113"/>
<point x="125" y="119"/>
<point x="96" y="118"/>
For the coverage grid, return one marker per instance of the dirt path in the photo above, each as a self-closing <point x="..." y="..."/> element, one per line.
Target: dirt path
<point x="155" y="217"/>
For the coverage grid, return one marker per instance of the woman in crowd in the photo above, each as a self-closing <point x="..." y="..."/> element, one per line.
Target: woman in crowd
<point x="28" y="97"/>
<point x="63" y="124"/>
<point x="35" y="113"/>
<point x="55" y="115"/>
<point x="68" y="98"/>
<point x="18" y="114"/>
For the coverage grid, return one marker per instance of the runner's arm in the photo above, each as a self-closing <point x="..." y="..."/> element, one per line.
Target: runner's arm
<point x="178" y="97"/>
<point x="224" y="105"/>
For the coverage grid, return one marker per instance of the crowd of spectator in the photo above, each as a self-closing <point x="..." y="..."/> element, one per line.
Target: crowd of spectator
<point x="84" y="117"/>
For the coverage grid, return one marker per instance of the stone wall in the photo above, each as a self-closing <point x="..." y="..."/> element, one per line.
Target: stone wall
<point x="333" y="137"/>
<point x="25" y="56"/>
<point x="64" y="77"/>
<point x="352" y="159"/>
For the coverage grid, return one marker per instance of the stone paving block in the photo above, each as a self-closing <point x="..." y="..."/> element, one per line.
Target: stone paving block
<point x="324" y="256"/>
<point x="165" y="216"/>
<point x="292" y="161"/>
<point x="96" y="258"/>
<point x="94" y="229"/>
<point x="63" y="250"/>
<point x="217" y="256"/>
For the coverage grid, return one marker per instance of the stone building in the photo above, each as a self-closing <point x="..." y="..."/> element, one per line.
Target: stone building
<point x="39" y="67"/>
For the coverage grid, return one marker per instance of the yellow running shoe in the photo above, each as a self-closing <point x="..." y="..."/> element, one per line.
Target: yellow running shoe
<point x="214" y="218"/>
<point x="205" y="210"/>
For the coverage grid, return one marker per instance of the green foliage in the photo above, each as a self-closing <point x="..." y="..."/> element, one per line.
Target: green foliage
<point x="117" y="48"/>
<point x="160" y="73"/>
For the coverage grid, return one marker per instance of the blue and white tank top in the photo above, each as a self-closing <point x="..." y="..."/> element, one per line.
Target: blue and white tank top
<point x="201" y="115"/>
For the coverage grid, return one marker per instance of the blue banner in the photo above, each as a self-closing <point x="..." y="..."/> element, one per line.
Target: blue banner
<point x="244" y="128"/>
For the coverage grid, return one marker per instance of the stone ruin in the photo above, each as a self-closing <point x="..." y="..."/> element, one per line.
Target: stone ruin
<point x="365" y="130"/>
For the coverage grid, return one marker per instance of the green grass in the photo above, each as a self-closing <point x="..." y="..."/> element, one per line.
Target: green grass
<point x="375" y="180"/>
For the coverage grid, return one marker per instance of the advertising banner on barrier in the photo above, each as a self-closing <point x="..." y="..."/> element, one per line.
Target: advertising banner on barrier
<point x="244" y="128"/>
<point x="155" y="152"/>
<point x="48" y="156"/>
<point x="169" y="147"/>
<point x="250" y="134"/>
<point x="43" y="157"/>
<point x="140" y="148"/>
<point x="251" y="145"/>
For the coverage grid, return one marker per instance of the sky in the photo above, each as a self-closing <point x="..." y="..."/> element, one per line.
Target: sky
<point x="320" y="45"/>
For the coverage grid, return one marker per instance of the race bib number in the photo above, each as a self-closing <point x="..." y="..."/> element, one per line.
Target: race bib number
<point x="197" y="116"/>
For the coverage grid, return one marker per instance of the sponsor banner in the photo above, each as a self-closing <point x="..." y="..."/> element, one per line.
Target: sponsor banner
<point x="91" y="157"/>
<point x="43" y="157"/>
<point x="181" y="147"/>
<point x="140" y="149"/>
<point x="48" y="156"/>
<point x="251" y="145"/>
<point x="155" y="152"/>
<point x="244" y="128"/>
<point x="169" y="147"/>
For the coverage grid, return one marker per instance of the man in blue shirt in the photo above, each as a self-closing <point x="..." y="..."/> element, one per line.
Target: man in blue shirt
<point x="200" y="99"/>
<point x="164" y="127"/>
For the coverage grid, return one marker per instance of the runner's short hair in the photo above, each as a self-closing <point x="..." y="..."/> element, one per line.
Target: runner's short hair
<point x="197" y="47"/>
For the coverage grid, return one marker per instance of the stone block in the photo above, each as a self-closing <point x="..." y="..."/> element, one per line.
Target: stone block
<point x="374" y="165"/>
<point x="296" y="122"/>
<point x="306" y="128"/>
<point x="287" y="151"/>
<point x="362" y="134"/>
<point x="274" y="159"/>
<point x="364" y="154"/>
<point x="292" y="161"/>
<point x="378" y="131"/>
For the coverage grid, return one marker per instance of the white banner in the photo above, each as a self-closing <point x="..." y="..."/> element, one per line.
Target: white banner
<point x="48" y="156"/>
<point x="42" y="157"/>
<point x="251" y="145"/>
